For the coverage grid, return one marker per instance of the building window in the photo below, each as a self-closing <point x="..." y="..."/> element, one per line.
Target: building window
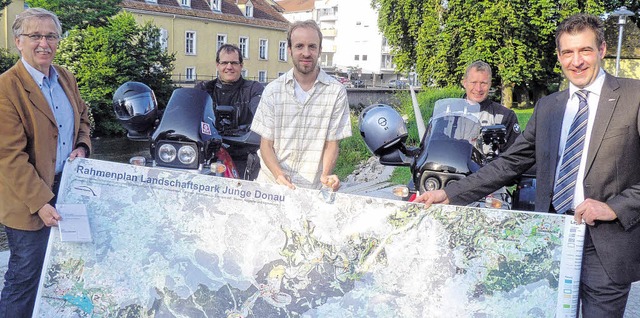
<point x="185" y="3"/>
<point x="244" y="73"/>
<point x="282" y="51"/>
<point x="222" y="39"/>
<point x="164" y="39"/>
<point x="357" y="57"/>
<point x="215" y="5"/>
<point x="262" y="76"/>
<point x="190" y="42"/>
<point x="243" y="44"/>
<point x="280" y="74"/>
<point x="190" y="74"/>
<point x="248" y="10"/>
<point x="364" y="57"/>
<point x="263" y="49"/>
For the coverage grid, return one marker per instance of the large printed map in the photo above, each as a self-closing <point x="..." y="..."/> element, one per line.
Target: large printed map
<point x="167" y="243"/>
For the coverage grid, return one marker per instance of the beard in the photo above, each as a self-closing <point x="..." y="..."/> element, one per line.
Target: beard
<point x="305" y="68"/>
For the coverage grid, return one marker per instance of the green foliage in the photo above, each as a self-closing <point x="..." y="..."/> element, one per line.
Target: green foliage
<point x="4" y="3"/>
<point x="7" y="59"/>
<point x="103" y="58"/>
<point x="353" y="151"/>
<point x="440" y="38"/>
<point x="79" y="13"/>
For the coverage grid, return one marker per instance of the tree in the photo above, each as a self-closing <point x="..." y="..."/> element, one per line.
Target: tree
<point x="440" y="38"/>
<point x="7" y="59"/>
<point x="103" y="58"/>
<point x="79" y="13"/>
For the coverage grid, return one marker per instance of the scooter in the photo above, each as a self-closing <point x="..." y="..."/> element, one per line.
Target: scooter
<point x="451" y="148"/>
<point x="188" y="134"/>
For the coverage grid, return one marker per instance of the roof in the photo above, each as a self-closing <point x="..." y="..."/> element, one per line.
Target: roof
<point x="264" y="14"/>
<point x="297" y="5"/>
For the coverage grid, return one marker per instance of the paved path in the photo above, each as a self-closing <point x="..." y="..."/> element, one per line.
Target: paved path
<point x="381" y="188"/>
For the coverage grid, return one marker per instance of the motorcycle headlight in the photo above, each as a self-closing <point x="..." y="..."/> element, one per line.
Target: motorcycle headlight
<point x="167" y="153"/>
<point x="178" y="154"/>
<point x="187" y="154"/>
<point x="432" y="183"/>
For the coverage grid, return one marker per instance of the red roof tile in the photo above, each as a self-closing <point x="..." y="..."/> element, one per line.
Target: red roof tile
<point x="297" y="5"/>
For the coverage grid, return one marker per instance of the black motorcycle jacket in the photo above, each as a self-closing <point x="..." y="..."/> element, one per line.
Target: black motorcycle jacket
<point x="244" y="95"/>
<point x="492" y="113"/>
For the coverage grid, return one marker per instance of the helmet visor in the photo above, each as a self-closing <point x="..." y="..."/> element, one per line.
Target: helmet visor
<point x="139" y="104"/>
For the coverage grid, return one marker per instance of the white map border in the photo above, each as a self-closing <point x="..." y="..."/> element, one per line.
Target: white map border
<point x="332" y="222"/>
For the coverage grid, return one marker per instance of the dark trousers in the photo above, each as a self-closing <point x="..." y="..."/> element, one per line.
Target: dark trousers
<point x="21" y="280"/>
<point x="27" y="251"/>
<point x="599" y="295"/>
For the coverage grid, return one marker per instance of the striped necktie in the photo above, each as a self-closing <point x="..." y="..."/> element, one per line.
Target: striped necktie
<point x="565" y="184"/>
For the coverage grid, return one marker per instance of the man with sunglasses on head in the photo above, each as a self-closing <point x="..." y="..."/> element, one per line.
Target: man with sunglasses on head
<point x="231" y="89"/>
<point x="43" y="122"/>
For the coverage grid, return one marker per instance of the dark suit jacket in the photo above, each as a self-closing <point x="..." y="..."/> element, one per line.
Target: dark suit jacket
<point x="28" y="141"/>
<point x="612" y="171"/>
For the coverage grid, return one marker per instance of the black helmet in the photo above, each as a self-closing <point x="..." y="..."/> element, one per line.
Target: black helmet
<point x="136" y="108"/>
<point x="381" y="127"/>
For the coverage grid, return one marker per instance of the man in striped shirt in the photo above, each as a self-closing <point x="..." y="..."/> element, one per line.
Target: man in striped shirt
<point x="302" y="116"/>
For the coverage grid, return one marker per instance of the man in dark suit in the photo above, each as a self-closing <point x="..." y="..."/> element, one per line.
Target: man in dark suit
<point x="43" y="121"/>
<point x="605" y="190"/>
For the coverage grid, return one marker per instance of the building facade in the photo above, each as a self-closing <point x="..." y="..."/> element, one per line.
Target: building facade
<point x="194" y="29"/>
<point x="352" y="45"/>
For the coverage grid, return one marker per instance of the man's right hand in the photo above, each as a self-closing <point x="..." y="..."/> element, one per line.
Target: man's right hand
<point x="285" y="180"/>
<point x="49" y="215"/>
<point x="431" y="197"/>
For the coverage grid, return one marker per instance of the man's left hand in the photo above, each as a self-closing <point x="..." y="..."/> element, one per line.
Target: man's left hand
<point x="78" y="152"/>
<point x="330" y="181"/>
<point x="591" y="210"/>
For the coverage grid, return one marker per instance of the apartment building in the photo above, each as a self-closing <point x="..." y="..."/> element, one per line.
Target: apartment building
<point x="194" y="29"/>
<point x="352" y="44"/>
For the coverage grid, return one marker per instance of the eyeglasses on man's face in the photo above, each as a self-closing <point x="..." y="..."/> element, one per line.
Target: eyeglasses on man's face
<point x="232" y="63"/>
<point x="51" y="38"/>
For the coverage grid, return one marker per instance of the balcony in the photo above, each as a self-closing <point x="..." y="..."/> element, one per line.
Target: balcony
<point x="329" y="32"/>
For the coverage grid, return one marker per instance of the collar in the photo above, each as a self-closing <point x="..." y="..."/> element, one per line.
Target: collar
<point x="323" y="77"/>
<point x="593" y="88"/>
<point x="39" y="76"/>
<point x="229" y="86"/>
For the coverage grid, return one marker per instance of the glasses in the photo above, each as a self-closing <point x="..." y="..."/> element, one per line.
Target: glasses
<point x="51" y="38"/>
<point x="233" y="63"/>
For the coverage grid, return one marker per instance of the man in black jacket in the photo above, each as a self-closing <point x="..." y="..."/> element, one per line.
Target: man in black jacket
<point x="231" y="89"/>
<point x="477" y="82"/>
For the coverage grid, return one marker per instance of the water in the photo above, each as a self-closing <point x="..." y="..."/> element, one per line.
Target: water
<point x="118" y="149"/>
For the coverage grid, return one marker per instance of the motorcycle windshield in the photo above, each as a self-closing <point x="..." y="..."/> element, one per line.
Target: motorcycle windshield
<point x="455" y="118"/>
<point x="189" y="115"/>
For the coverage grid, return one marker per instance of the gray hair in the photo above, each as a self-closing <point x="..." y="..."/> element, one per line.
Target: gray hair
<point x="34" y="13"/>
<point x="480" y="66"/>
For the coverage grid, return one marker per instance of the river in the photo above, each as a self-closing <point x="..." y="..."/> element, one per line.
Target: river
<point x="118" y="149"/>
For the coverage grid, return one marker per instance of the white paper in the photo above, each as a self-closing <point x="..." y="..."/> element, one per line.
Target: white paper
<point x="74" y="226"/>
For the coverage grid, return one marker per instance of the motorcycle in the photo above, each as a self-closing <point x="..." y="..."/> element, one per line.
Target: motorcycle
<point x="451" y="149"/>
<point x="190" y="134"/>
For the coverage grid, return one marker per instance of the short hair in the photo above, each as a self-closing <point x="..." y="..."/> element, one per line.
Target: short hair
<point x="480" y="66"/>
<point x="578" y="23"/>
<point x="34" y="13"/>
<point x="229" y="48"/>
<point x="309" y="24"/>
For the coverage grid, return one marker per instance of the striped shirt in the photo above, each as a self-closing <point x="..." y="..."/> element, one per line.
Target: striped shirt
<point x="299" y="130"/>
